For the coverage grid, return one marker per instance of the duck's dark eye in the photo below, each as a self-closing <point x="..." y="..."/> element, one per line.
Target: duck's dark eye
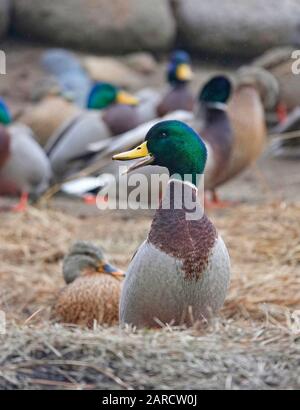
<point x="163" y="135"/>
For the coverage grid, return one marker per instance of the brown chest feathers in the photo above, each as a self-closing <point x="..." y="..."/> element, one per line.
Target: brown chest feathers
<point x="4" y="146"/>
<point x="121" y="118"/>
<point x="190" y="241"/>
<point x="178" y="98"/>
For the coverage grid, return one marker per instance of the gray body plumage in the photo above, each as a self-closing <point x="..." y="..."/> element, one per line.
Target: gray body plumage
<point x="73" y="139"/>
<point x="155" y="287"/>
<point x="28" y="167"/>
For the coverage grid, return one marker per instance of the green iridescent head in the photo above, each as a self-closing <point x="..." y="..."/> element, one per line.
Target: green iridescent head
<point x="174" y="145"/>
<point x="103" y="95"/>
<point x="5" y="116"/>
<point x="216" y="90"/>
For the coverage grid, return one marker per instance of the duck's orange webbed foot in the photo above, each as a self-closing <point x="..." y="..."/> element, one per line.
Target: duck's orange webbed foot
<point x="22" y="205"/>
<point x="91" y="199"/>
<point x="281" y="112"/>
<point x="216" y="203"/>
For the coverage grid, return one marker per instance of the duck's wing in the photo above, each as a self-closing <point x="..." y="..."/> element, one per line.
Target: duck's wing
<point x="286" y="146"/>
<point x="65" y="157"/>
<point x="57" y="137"/>
<point x="130" y="138"/>
<point x="82" y="186"/>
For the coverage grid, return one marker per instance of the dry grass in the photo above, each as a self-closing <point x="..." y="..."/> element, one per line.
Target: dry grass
<point x="255" y="344"/>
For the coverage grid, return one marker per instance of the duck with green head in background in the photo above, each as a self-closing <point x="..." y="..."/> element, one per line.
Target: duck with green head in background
<point x="24" y="167"/>
<point x="110" y="112"/>
<point x="180" y="274"/>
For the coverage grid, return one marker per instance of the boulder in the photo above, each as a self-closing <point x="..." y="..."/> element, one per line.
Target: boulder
<point x="238" y="28"/>
<point x="4" y="16"/>
<point x="110" y="70"/>
<point x="46" y="117"/>
<point x="142" y="62"/>
<point x="116" y="26"/>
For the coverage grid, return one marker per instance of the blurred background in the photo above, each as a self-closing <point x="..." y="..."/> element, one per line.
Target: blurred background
<point x="128" y="43"/>
<point x="215" y="32"/>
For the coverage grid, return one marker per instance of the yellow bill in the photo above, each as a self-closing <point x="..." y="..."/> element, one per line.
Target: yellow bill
<point x="184" y="72"/>
<point x="126" y="98"/>
<point x="139" y="152"/>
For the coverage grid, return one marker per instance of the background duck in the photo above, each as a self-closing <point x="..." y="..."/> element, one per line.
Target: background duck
<point x="91" y="126"/>
<point x="24" y="167"/>
<point x="179" y="75"/>
<point x="255" y="90"/>
<point x="181" y="272"/>
<point x="279" y="62"/>
<point x="93" y="288"/>
<point x="212" y="122"/>
<point x="66" y="69"/>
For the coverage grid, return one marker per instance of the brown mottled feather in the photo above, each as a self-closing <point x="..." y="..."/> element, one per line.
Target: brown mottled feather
<point x="91" y="298"/>
<point x="178" y="98"/>
<point x="4" y="146"/>
<point x="170" y="230"/>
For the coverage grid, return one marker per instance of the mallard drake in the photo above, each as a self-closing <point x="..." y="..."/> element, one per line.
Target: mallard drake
<point x="91" y="126"/>
<point x="24" y="167"/>
<point x="182" y="270"/>
<point x="212" y="122"/>
<point x="93" y="288"/>
<point x="179" y="74"/>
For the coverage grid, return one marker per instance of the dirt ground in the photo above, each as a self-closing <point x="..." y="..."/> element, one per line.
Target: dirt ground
<point x="254" y="344"/>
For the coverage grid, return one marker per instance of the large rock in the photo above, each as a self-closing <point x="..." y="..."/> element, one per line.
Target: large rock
<point x="99" y="25"/>
<point x="238" y="28"/>
<point x="110" y="70"/>
<point x="4" y="16"/>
